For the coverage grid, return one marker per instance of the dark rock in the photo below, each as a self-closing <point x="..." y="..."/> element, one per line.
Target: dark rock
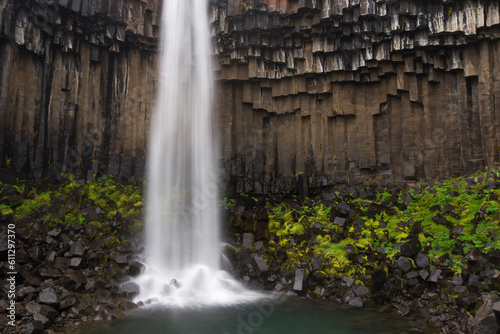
<point x="130" y="289"/>
<point x="434" y="276"/>
<point x="404" y="264"/>
<point x="298" y="284"/>
<point x="60" y="262"/>
<point x="457" y="280"/>
<point x="77" y="249"/>
<point x="356" y="302"/>
<point x="360" y="290"/>
<point x="68" y="302"/>
<point x="494" y="256"/>
<point x="496" y="309"/>
<point x="247" y="240"/>
<point x="316" y="264"/>
<point x="330" y="196"/>
<point x="50" y="273"/>
<point x="485" y="321"/>
<point x="410" y="248"/>
<point x="35" y="327"/>
<point x="135" y="268"/>
<point x="339" y="221"/>
<point x="348" y="281"/>
<point x="49" y="296"/>
<point x="75" y="262"/>
<point x="421" y="260"/>
<point x="73" y="280"/>
<point x="259" y="265"/>
<point x="424" y="274"/>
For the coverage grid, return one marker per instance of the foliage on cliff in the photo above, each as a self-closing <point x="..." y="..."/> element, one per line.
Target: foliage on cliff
<point x="359" y="228"/>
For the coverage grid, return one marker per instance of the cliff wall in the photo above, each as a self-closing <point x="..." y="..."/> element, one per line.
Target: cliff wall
<point x="340" y="90"/>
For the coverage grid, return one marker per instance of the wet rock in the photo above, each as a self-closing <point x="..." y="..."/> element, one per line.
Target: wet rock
<point x="298" y="284"/>
<point x="130" y="289"/>
<point x="135" y="268"/>
<point x="49" y="296"/>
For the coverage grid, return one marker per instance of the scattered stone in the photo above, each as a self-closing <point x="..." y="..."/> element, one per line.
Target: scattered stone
<point x="75" y="262"/>
<point x="135" y="268"/>
<point x="247" y="240"/>
<point x="434" y="276"/>
<point x="360" y="290"/>
<point x="339" y="221"/>
<point x="77" y="249"/>
<point x="299" y="279"/>
<point x="457" y="280"/>
<point x="485" y="321"/>
<point x="49" y="297"/>
<point x="131" y="289"/>
<point x="316" y="264"/>
<point x="259" y="265"/>
<point x="410" y="248"/>
<point x="424" y="274"/>
<point x="35" y="327"/>
<point x="348" y="281"/>
<point x="404" y="264"/>
<point x="421" y="260"/>
<point x="356" y="302"/>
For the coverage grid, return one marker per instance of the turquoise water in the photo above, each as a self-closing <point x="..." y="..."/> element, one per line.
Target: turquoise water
<point x="272" y="316"/>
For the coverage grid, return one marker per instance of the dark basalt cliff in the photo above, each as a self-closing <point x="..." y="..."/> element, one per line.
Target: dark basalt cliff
<point x="341" y="90"/>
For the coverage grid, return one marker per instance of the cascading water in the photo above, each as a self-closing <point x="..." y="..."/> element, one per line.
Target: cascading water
<point x="182" y="219"/>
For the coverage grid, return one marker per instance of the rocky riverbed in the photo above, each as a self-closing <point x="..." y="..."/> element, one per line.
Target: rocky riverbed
<point x="429" y="252"/>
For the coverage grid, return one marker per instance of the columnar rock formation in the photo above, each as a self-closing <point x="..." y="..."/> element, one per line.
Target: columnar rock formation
<point x="340" y="90"/>
<point x="347" y="90"/>
<point x="77" y="84"/>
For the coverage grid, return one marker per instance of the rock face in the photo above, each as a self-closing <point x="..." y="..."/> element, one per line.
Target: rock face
<point x="341" y="91"/>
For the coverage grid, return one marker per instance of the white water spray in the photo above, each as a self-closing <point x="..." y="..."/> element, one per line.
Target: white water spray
<point x="182" y="220"/>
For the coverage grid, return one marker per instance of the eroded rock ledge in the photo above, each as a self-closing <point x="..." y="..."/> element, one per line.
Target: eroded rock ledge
<point x="343" y="91"/>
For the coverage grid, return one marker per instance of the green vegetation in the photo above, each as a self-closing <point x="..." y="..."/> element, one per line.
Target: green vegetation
<point x="105" y="203"/>
<point x="449" y="219"/>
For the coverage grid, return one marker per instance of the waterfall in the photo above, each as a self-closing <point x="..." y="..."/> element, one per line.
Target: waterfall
<point x="182" y="220"/>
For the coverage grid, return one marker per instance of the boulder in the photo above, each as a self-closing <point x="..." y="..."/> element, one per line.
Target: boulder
<point x="485" y="321"/>
<point x="259" y="265"/>
<point x="410" y="248"/>
<point x="35" y="327"/>
<point x="49" y="297"/>
<point x="404" y="264"/>
<point x="298" y="283"/>
<point x="421" y="260"/>
<point x="130" y="289"/>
